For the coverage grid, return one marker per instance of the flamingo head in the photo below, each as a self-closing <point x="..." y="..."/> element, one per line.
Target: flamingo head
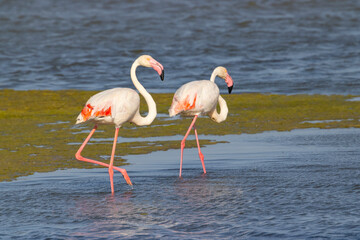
<point x="148" y="61"/>
<point x="223" y="73"/>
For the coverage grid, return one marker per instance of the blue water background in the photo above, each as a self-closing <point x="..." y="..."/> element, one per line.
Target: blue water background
<point x="303" y="184"/>
<point x="281" y="46"/>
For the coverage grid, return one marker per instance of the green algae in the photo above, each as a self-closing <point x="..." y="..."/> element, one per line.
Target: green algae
<point x="38" y="134"/>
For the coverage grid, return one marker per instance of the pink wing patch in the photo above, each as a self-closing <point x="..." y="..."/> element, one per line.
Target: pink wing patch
<point x="87" y="112"/>
<point x="103" y="112"/>
<point x="185" y="104"/>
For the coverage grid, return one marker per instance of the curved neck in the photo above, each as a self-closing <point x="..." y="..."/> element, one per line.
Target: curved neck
<point x="215" y="73"/>
<point x="149" y="100"/>
<point x="213" y="76"/>
<point x="219" y="117"/>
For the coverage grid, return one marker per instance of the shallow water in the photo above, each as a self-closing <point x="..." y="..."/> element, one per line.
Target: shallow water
<point x="298" y="184"/>
<point x="279" y="46"/>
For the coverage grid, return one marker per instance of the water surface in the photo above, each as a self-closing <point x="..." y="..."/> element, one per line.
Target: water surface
<point x="294" y="185"/>
<point x="279" y="46"/>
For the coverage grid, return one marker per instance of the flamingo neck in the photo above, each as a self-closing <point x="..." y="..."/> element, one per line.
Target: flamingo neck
<point x="219" y="117"/>
<point x="149" y="100"/>
<point x="214" y="75"/>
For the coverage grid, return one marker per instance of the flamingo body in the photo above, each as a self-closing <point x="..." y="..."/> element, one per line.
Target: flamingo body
<point x="200" y="98"/>
<point x="113" y="106"/>
<point x="195" y="98"/>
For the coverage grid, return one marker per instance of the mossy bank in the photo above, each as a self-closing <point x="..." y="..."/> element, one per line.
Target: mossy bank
<point x="38" y="134"/>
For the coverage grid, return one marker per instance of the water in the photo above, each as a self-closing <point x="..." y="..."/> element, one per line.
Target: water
<point x="279" y="46"/>
<point x="294" y="185"/>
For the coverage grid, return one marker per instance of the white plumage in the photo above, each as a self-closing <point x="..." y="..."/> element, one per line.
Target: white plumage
<point x="202" y="95"/>
<point x="117" y="106"/>
<point x="123" y="102"/>
<point x="200" y="98"/>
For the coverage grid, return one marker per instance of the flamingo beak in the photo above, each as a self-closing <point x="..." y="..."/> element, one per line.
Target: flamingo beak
<point x="230" y="88"/>
<point x="162" y="75"/>
<point x="158" y="68"/>
<point x="229" y="82"/>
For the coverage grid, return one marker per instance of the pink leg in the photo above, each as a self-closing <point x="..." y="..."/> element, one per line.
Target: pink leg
<point x="81" y="158"/>
<point x="200" y="153"/>
<point x="183" y="142"/>
<point x="111" y="170"/>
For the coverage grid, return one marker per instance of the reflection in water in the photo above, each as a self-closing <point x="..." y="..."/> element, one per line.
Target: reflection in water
<point x="109" y="213"/>
<point x="168" y="206"/>
<point x="204" y="203"/>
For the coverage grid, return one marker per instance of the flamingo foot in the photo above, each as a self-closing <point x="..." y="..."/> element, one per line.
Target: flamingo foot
<point x="126" y="177"/>
<point x="110" y="166"/>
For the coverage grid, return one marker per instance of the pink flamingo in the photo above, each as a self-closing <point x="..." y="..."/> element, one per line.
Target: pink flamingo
<point x="117" y="106"/>
<point x="200" y="98"/>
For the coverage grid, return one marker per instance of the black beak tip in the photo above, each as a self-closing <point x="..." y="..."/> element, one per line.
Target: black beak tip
<point x="230" y="88"/>
<point x="162" y="75"/>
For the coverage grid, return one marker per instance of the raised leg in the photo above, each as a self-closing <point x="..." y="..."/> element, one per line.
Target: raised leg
<point x="81" y="158"/>
<point x="183" y="142"/>
<point x="200" y="153"/>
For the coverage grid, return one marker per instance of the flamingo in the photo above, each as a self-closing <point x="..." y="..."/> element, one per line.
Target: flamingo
<point x="117" y="106"/>
<point x="200" y="98"/>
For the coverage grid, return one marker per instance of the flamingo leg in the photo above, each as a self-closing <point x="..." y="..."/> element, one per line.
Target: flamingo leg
<point x="200" y="153"/>
<point x="183" y="142"/>
<point x="81" y="158"/>
<point x="111" y="170"/>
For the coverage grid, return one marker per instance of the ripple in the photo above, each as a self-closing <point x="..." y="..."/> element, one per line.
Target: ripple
<point x="298" y="178"/>
<point x="300" y="58"/>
